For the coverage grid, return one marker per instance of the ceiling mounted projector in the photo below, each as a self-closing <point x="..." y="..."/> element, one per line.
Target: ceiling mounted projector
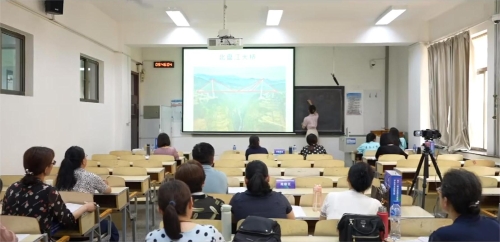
<point x="224" y="40"/>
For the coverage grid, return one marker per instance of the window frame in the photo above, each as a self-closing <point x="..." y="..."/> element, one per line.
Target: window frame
<point x="22" y="75"/>
<point x="85" y="98"/>
<point x="482" y="71"/>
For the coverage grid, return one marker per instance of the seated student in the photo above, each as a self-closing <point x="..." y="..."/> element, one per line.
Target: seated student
<point x="459" y="196"/>
<point x="370" y="144"/>
<point x="399" y="141"/>
<point x="254" y="147"/>
<point x="215" y="181"/>
<point x="164" y="147"/>
<point x="259" y="199"/>
<point x="72" y="176"/>
<point x="5" y="233"/>
<point x="312" y="147"/>
<point x="31" y="194"/>
<point x="176" y="206"/>
<point x="387" y="147"/>
<point x="360" y="178"/>
<point x="205" y="207"/>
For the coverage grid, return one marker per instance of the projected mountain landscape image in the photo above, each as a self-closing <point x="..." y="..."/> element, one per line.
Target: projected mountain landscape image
<point x="245" y="99"/>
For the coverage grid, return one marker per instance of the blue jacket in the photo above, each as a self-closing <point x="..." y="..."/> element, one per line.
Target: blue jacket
<point x="469" y="228"/>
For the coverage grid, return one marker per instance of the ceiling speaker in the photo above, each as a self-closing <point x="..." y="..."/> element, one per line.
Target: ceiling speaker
<point x="55" y="7"/>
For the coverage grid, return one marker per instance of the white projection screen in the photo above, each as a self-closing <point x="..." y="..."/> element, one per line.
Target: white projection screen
<point x="238" y="91"/>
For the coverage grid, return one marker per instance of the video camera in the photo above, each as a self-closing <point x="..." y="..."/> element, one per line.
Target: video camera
<point x="428" y="134"/>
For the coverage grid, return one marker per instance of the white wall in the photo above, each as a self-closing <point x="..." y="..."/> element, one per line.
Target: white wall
<point x="54" y="116"/>
<point x="418" y="94"/>
<point x="398" y="88"/>
<point x="313" y="67"/>
<point x="460" y="18"/>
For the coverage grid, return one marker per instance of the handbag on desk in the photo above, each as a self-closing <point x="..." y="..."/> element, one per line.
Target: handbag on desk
<point x="360" y="228"/>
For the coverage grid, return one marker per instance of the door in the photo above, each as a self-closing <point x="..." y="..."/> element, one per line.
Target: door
<point x="135" y="110"/>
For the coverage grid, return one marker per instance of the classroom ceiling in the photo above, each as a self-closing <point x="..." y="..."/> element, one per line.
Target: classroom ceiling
<point x="201" y="12"/>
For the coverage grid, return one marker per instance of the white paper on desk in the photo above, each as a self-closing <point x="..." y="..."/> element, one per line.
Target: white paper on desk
<point x="298" y="211"/>
<point x="423" y="239"/>
<point x="73" y="206"/>
<point x="20" y="237"/>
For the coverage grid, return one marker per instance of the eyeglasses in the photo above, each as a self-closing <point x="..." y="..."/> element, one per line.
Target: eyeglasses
<point x="54" y="163"/>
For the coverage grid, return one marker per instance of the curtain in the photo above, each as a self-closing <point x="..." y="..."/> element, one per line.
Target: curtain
<point x="449" y="90"/>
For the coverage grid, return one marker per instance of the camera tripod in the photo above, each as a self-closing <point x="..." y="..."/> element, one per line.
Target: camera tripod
<point x="425" y="159"/>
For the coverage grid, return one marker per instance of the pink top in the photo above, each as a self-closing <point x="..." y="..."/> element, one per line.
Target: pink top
<point x="311" y="121"/>
<point x="167" y="151"/>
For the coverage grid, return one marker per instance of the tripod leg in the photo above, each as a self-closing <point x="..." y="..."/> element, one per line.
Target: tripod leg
<point x="426" y="175"/>
<point x="438" y="172"/>
<point x="416" y="174"/>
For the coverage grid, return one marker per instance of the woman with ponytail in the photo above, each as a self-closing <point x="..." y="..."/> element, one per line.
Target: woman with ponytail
<point x="360" y="178"/>
<point x="73" y="177"/>
<point x="176" y="206"/>
<point x="31" y="197"/>
<point x="259" y="199"/>
<point x="460" y="197"/>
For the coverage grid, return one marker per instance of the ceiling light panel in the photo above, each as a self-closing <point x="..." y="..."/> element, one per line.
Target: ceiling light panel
<point x="389" y="15"/>
<point x="178" y="18"/>
<point x="274" y="17"/>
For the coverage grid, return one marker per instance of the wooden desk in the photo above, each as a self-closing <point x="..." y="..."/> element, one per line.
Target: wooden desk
<point x="142" y="184"/>
<point x="319" y="171"/>
<point x="326" y="238"/>
<point x="407" y="212"/>
<point x="156" y="173"/>
<point x="495" y="177"/>
<point x="118" y="200"/>
<point x="294" y="192"/>
<point x="170" y="166"/>
<point x="334" y="179"/>
<point x="30" y="237"/>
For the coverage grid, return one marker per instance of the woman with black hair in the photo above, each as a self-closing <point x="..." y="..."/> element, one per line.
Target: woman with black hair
<point x="31" y="194"/>
<point x="254" y="147"/>
<point x="311" y="121"/>
<point x="459" y="196"/>
<point x="259" y="199"/>
<point x="164" y="148"/>
<point x="398" y="141"/>
<point x="387" y="146"/>
<point x="73" y="177"/>
<point x="176" y="206"/>
<point x="312" y="146"/>
<point x="360" y="178"/>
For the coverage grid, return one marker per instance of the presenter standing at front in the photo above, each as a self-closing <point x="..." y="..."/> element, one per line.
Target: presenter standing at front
<point x="311" y="121"/>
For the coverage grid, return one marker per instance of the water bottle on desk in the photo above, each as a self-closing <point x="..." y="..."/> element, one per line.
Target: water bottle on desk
<point x="395" y="218"/>
<point x="415" y="148"/>
<point x="294" y="149"/>
<point x="234" y="148"/>
<point x="226" y="222"/>
<point x="382" y="213"/>
<point x="317" y="197"/>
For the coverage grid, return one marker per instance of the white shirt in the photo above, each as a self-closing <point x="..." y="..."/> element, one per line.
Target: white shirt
<point x="337" y="204"/>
